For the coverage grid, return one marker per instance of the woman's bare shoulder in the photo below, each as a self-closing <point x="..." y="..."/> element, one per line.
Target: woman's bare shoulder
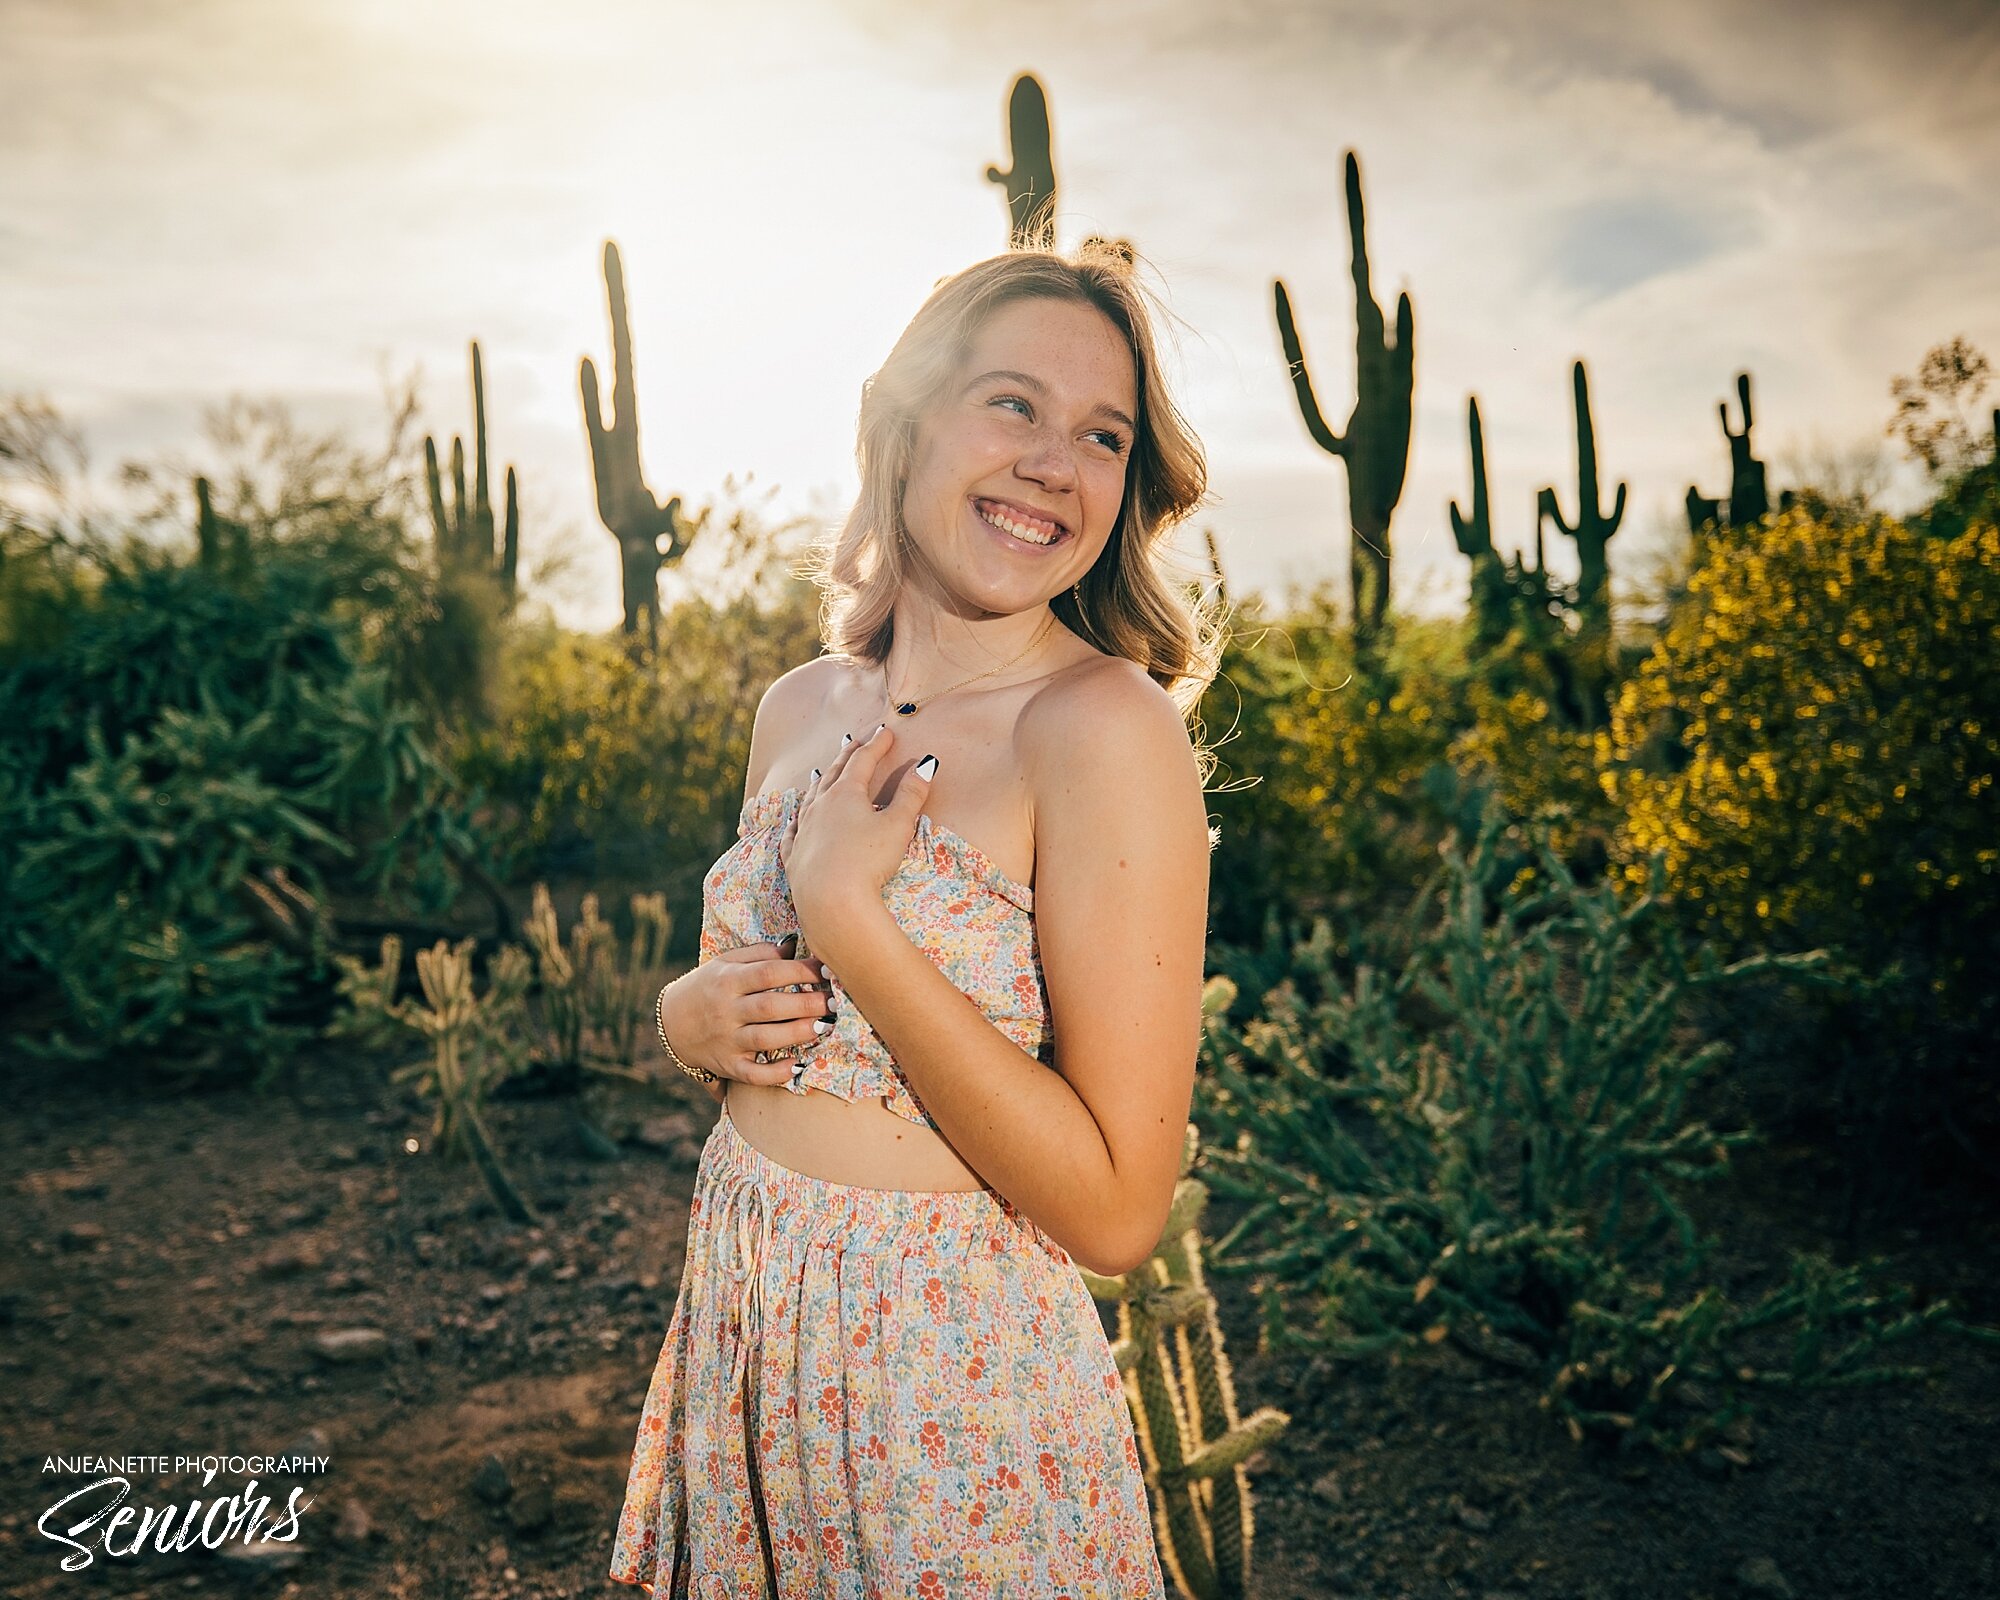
<point x="795" y="703"/>
<point x="1108" y="701"/>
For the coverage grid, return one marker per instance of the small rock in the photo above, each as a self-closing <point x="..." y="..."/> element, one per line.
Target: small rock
<point x="266" y="1555"/>
<point x="1760" y="1575"/>
<point x="81" y="1236"/>
<point x="289" y="1260"/>
<point x="312" y="1443"/>
<point x="540" y="1262"/>
<point x="531" y="1508"/>
<point x="1471" y="1517"/>
<point x="351" y="1346"/>
<point x="354" y="1525"/>
<point x="493" y="1293"/>
<point x="342" y="1155"/>
<point x="491" y="1482"/>
<point x="1327" y="1487"/>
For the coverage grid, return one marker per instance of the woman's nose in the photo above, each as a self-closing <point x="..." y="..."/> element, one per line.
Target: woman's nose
<point x="1049" y="460"/>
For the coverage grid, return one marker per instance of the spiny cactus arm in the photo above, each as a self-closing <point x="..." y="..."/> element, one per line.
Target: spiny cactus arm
<point x="434" y="483"/>
<point x="1474" y="534"/>
<point x="1385" y="396"/>
<point x="1743" y="401"/>
<point x="1589" y="496"/>
<point x="599" y="438"/>
<point x="1367" y="314"/>
<point x="1302" y="384"/>
<point x="479" y="535"/>
<point x="511" y="551"/>
<point x="1238" y="1445"/>
<point x="458" y="508"/>
<point x="1586" y="444"/>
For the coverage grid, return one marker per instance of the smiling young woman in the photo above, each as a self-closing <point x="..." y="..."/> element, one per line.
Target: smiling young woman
<point x="950" y="988"/>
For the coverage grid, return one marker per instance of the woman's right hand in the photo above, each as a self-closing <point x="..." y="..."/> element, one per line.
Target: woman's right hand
<point x="735" y="1004"/>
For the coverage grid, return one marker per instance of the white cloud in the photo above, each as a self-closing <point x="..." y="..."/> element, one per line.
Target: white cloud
<point x="233" y="196"/>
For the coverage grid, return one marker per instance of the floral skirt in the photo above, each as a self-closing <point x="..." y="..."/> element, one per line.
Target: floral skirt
<point x="879" y="1393"/>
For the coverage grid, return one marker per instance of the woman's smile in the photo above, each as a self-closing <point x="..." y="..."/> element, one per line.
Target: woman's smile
<point x="1016" y="529"/>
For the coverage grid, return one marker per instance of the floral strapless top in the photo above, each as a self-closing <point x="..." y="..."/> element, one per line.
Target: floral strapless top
<point x="975" y="923"/>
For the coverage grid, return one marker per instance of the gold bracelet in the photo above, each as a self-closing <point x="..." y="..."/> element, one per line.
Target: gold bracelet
<point x="699" y="1074"/>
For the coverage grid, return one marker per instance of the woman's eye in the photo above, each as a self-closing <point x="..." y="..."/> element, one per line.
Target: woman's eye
<point x="1112" y="441"/>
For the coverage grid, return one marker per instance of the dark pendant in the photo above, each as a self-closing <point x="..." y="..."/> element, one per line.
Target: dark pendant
<point x="907" y="709"/>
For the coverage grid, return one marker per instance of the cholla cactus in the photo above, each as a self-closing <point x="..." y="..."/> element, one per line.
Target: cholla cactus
<point x="477" y="1041"/>
<point x="1177" y="1382"/>
<point x="592" y="988"/>
<point x="618" y="994"/>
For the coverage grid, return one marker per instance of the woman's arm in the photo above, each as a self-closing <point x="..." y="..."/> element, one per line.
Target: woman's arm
<point x="1090" y="1151"/>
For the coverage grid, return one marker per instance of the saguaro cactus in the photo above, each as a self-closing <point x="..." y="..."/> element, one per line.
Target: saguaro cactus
<point x="222" y="542"/>
<point x="1031" y="181"/>
<point x="1490" y="591"/>
<point x="1177" y="1381"/>
<point x="625" y="504"/>
<point x="1749" y="493"/>
<point x="464" y="536"/>
<point x="1594" y="527"/>
<point x="1376" y="445"/>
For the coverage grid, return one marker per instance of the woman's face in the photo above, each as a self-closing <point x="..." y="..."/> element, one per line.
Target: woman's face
<point x="1035" y="431"/>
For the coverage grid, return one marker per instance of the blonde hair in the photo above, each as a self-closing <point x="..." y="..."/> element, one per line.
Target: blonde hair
<point x="1130" y="607"/>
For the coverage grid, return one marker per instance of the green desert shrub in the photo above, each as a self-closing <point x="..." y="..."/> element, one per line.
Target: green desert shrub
<point x="189" y="780"/>
<point x="1492" y="1142"/>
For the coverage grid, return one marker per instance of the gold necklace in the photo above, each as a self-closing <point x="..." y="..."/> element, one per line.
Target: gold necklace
<point x="909" y="708"/>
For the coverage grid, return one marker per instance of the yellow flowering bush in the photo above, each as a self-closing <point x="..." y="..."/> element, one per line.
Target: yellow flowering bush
<point x="1320" y="788"/>
<point x="1813" y="744"/>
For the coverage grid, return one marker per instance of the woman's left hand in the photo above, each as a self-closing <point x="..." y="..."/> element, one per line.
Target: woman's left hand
<point x="839" y="851"/>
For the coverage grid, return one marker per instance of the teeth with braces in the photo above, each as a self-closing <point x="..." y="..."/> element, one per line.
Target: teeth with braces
<point x="1001" y="520"/>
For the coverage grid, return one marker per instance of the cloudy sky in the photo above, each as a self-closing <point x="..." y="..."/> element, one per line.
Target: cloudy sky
<point x="245" y="197"/>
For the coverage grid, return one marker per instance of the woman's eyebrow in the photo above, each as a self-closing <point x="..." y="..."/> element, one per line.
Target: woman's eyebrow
<point x="1103" y="407"/>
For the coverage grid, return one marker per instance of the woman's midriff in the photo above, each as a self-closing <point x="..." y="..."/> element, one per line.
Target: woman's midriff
<point x="860" y="1142"/>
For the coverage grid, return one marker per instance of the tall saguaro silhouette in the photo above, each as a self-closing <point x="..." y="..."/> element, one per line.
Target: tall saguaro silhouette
<point x="1376" y="445"/>
<point x="1591" y="532"/>
<point x="625" y="504"/>
<point x="1749" y="491"/>
<point x="1031" y="181"/>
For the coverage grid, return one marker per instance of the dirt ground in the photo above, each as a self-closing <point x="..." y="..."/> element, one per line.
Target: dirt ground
<point x="172" y="1266"/>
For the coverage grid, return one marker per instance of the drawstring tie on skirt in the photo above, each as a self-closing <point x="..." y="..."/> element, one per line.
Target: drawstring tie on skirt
<point x="746" y="1225"/>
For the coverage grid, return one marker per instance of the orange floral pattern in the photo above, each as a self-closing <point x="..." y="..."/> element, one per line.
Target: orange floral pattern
<point x="870" y="1394"/>
<point x="975" y="922"/>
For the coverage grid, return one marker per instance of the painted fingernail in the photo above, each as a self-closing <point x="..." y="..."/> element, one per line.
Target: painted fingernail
<point x="821" y="1025"/>
<point x="927" y="768"/>
<point x="846" y="739"/>
<point x="815" y="776"/>
<point x="878" y="728"/>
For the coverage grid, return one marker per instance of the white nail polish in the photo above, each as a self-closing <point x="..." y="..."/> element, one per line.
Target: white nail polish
<point x="821" y="1025"/>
